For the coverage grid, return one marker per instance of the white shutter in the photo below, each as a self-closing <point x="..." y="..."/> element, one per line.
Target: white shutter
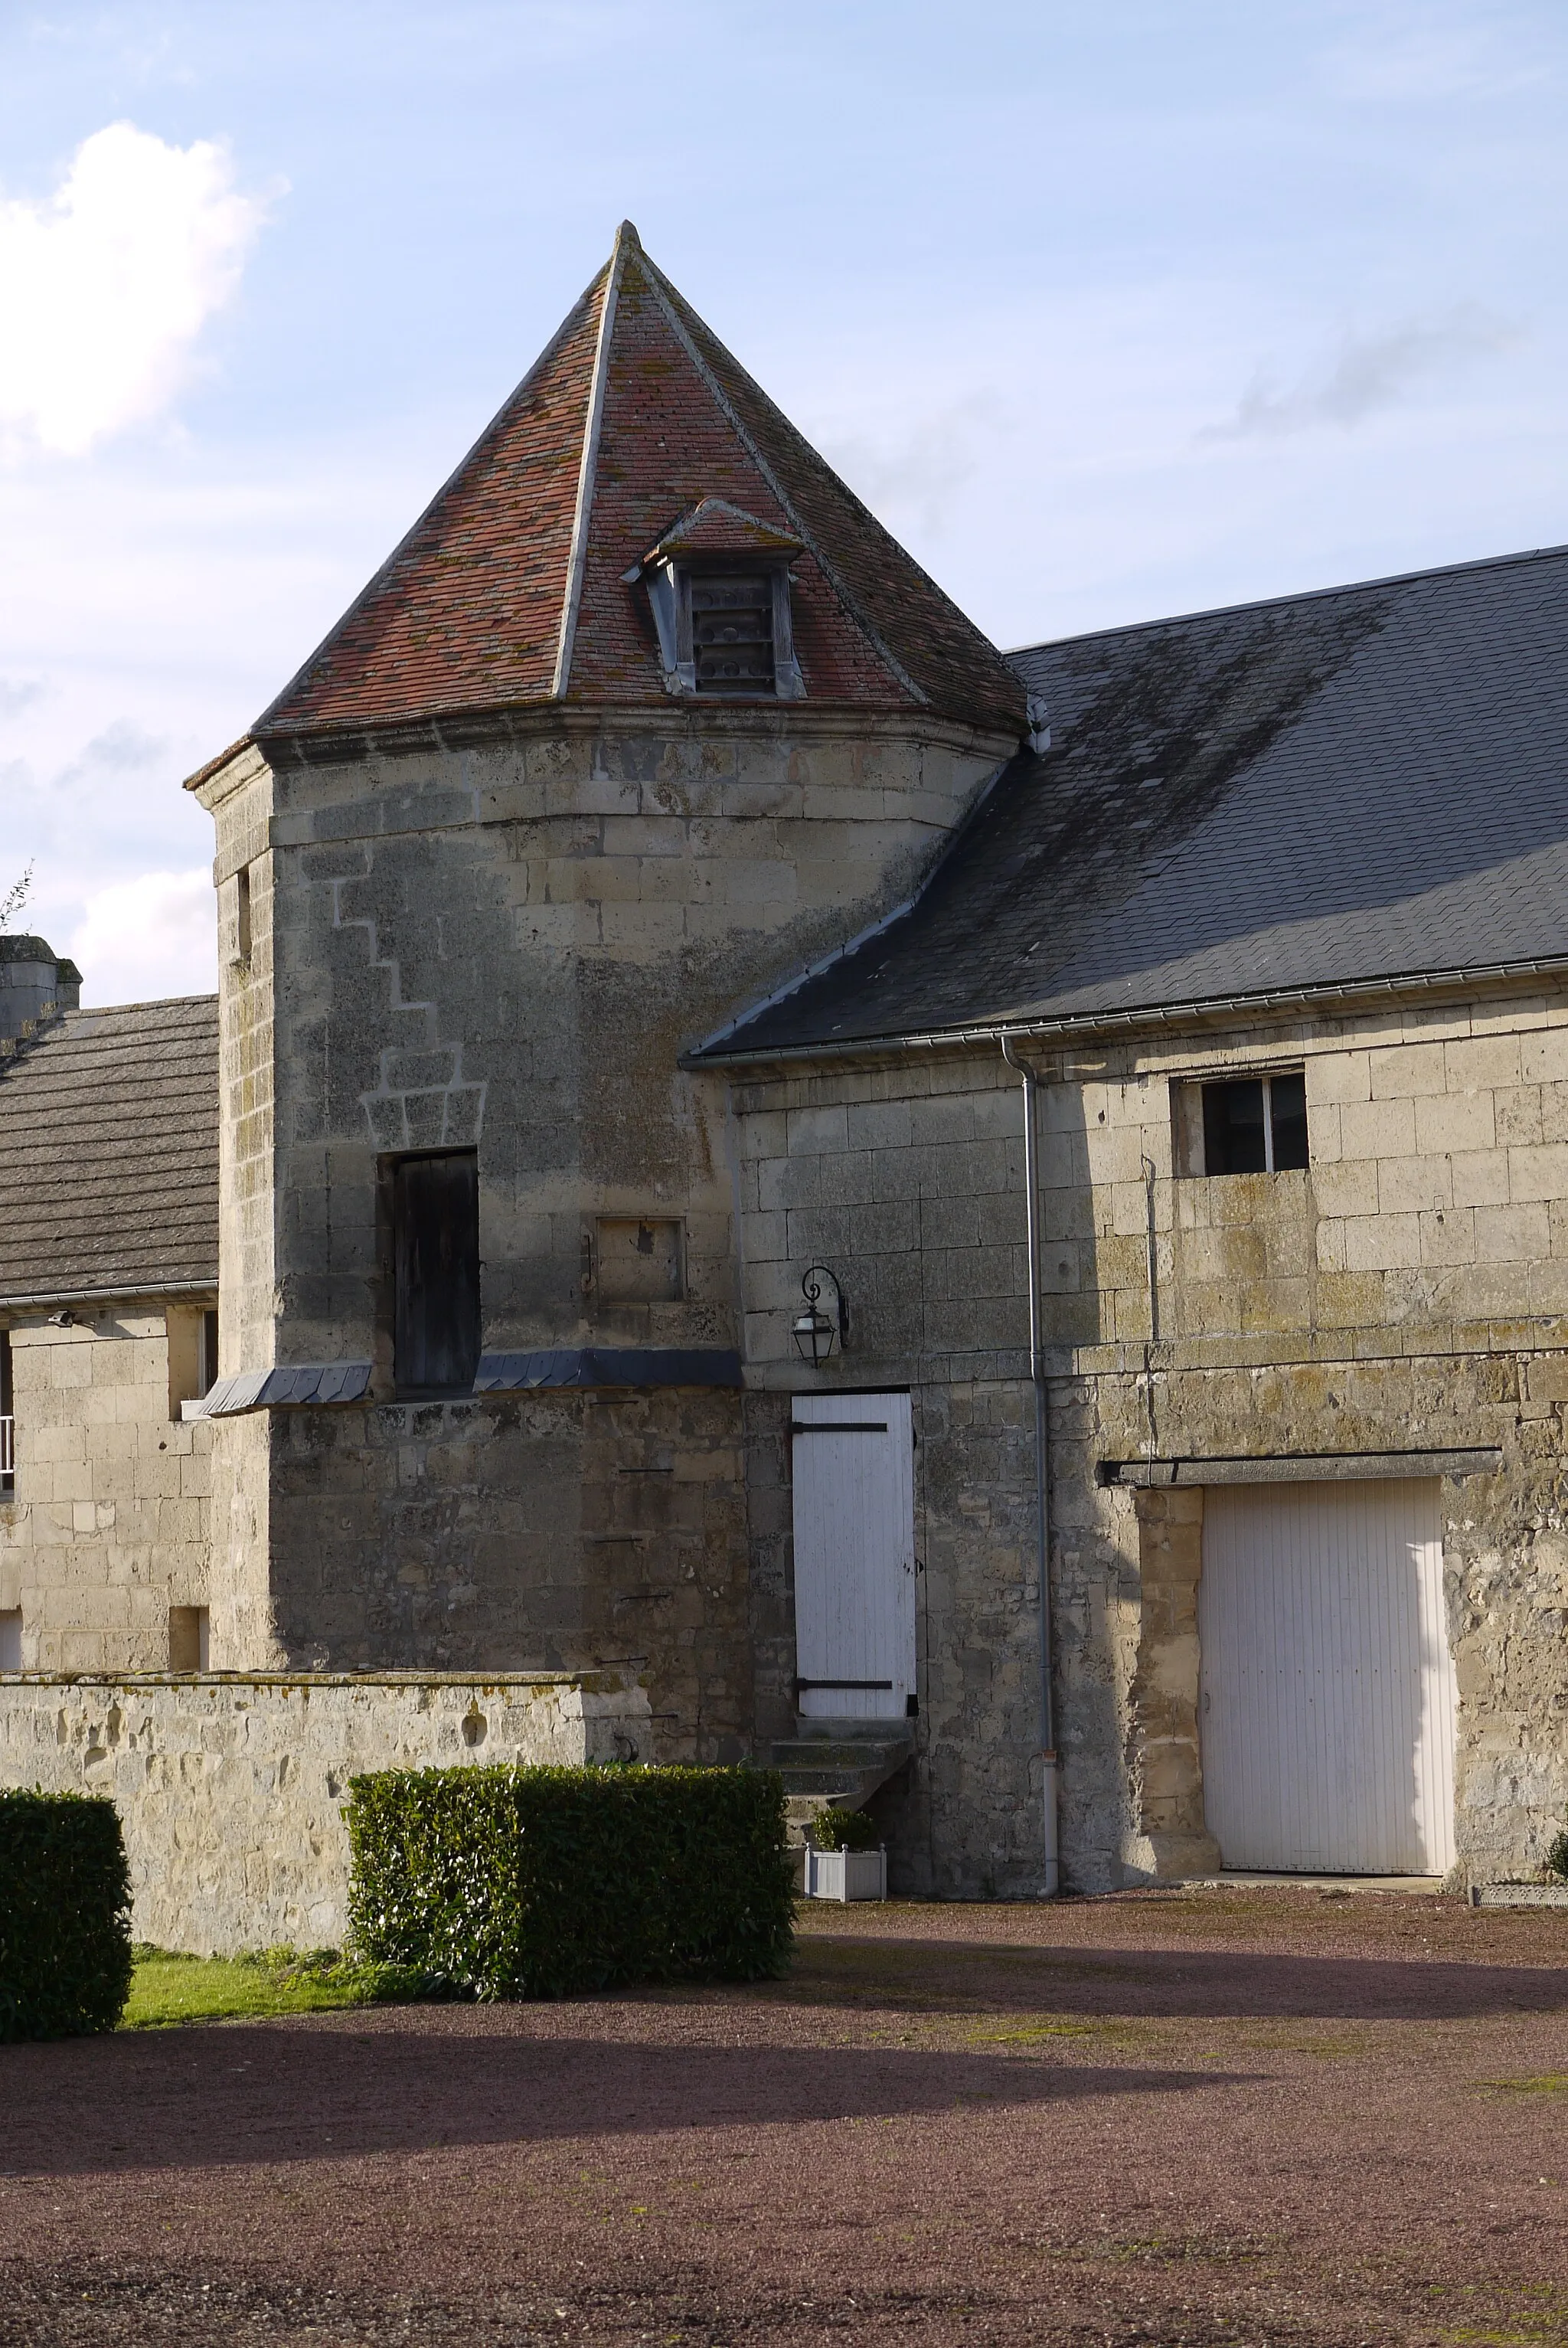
<point x="854" y="1473"/>
<point x="1328" y="1688"/>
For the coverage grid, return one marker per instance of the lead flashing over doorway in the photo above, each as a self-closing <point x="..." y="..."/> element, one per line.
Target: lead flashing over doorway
<point x="1301" y="1468"/>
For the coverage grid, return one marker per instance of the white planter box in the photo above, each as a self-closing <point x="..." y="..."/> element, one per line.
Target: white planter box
<point x="846" y="1874"/>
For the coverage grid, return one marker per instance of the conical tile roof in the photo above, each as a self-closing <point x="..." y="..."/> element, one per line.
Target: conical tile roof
<point x="511" y="589"/>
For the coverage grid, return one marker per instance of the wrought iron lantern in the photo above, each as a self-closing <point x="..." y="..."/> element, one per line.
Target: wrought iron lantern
<point x="819" y="1328"/>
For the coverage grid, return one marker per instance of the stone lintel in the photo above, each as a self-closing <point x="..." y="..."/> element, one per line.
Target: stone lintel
<point x="1298" y="1467"/>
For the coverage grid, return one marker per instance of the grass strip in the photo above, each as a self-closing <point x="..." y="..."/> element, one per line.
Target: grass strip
<point x="169" y="1988"/>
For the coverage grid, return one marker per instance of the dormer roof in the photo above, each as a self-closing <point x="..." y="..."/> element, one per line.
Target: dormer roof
<point x="715" y="528"/>
<point x="636" y="429"/>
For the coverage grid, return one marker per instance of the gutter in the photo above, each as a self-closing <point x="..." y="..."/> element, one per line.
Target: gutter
<point x="120" y="1295"/>
<point x="1153" y="1017"/>
<point x="1041" y="1470"/>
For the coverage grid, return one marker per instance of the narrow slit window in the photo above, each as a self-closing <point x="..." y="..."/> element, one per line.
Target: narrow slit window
<point x="1256" y="1124"/>
<point x="206" y="1351"/>
<point x="242" y="914"/>
<point x="7" y="1419"/>
<point x="435" y="1273"/>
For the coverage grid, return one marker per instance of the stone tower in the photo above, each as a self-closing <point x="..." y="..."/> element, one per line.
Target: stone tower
<point x="645" y="716"/>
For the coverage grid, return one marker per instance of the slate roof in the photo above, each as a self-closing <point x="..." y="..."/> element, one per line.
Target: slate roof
<point x="108" y="1153"/>
<point x="509" y="589"/>
<point x="1362" y="784"/>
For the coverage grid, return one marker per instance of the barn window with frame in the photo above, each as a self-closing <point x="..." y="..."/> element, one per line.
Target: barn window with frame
<point x="1243" y="1125"/>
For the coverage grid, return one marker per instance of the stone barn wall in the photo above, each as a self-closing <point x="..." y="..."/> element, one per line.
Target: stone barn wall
<point x="1408" y="1292"/>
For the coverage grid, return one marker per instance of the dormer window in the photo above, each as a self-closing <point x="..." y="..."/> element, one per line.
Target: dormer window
<point x="718" y="583"/>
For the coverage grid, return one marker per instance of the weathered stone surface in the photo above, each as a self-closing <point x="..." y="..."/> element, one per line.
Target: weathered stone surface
<point x="505" y="946"/>
<point x="106" y="1528"/>
<point x="231" y="1788"/>
<point x="1406" y="1292"/>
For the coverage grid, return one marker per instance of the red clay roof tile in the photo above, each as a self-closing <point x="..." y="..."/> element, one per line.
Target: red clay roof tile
<point x="510" y="588"/>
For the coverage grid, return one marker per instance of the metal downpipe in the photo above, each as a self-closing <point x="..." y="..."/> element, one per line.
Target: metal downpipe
<point x="1041" y="1466"/>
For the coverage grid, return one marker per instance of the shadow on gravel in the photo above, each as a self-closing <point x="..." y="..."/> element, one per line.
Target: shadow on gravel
<point x="979" y="1976"/>
<point x="206" y="2098"/>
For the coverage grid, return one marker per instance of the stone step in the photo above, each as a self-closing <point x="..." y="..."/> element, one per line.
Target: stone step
<point x="855" y="1754"/>
<point x="838" y="1773"/>
<point x="826" y="1782"/>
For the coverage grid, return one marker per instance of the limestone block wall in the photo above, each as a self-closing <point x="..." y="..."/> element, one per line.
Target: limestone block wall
<point x="1405" y="1292"/>
<point x="231" y="1788"/>
<point x="108" y="1524"/>
<point x="504" y="943"/>
<point x="1504" y="1552"/>
<point x="502" y="938"/>
<point x="1436" y="1199"/>
<point x="555" y="1531"/>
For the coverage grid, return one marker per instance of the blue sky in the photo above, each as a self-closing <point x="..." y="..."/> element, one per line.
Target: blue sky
<point x="1108" y="311"/>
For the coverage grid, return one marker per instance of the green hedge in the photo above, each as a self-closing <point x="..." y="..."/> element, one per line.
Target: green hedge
<point x="547" y="1882"/>
<point x="65" y="1916"/>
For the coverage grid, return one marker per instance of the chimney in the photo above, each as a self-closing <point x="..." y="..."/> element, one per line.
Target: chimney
<point x="34" y="985"/>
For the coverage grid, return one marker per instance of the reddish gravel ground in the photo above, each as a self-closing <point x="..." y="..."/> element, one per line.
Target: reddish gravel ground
<point x="1217" y="2116"/>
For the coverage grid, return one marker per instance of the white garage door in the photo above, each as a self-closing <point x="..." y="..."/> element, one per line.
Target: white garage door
<point x="854" y="1472"/>
<point x="1327" y="1693"/>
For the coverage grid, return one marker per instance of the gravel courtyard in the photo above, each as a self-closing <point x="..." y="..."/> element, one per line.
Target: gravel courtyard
<point x="1218" y="2116"/>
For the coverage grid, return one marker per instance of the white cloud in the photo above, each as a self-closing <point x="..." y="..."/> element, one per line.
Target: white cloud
<point x="916" y="472"/>
<point x="150" y="936"/>
<point x="18" y="693"/>
<point x="106" y="285"/>
<point x="1371" y="372"/>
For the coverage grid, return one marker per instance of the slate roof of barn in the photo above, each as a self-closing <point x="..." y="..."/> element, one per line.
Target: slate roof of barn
<point x="108" y="1153"/>
<point x="509" y="589"/>
<point x="1365" y="784"/>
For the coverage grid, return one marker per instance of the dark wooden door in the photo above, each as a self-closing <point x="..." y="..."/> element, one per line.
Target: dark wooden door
<point x="435" y="1240"/>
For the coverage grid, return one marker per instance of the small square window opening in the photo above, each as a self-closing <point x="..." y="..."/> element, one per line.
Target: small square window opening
<point x="1255" y="1125"/>
<point x="188" y="1642"/>
<point x="639" y="1261"/>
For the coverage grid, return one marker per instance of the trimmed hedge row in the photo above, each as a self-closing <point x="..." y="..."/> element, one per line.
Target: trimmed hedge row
<point x="547" y="1882"/>
<point x="65" y="1916"/>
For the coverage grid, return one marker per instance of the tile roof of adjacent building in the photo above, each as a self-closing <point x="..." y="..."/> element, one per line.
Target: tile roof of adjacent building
<point x="108" y="1153"/>
<point x="510" y="588"/>
<point x="1365" y="784"/>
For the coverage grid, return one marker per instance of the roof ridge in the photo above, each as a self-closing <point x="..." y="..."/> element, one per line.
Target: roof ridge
<point x="143" y="1003"/>
<point x="1300" y="595"/>
<point x="663" y="293"/>
<point x="625" y="240"/>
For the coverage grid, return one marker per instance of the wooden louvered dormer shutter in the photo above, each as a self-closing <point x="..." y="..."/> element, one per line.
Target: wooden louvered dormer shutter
<point x="733" y="632"/>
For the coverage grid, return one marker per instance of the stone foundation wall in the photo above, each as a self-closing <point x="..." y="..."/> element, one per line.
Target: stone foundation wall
<point x="231" y="1788"/>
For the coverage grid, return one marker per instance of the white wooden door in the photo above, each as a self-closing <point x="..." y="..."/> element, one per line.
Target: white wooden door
<point x="854" y="1555"/>
<point x="1326" y="1713"/>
